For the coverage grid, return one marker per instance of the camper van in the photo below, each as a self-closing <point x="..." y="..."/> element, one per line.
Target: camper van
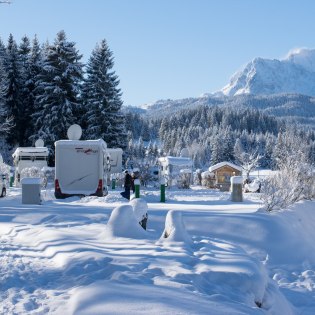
<point x="81" y="168"/>
<point x="172" y="167"/>
<point x="26" y="157"/>
<point x="115" y="155"/>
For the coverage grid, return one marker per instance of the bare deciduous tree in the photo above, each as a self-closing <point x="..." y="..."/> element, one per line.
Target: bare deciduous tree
<point x="295" y="180"/>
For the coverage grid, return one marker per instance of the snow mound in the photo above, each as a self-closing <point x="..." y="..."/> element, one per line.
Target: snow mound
<point x="140" y="208"/>
<point x="175" y="230"/>
<point x="123" y="223"/>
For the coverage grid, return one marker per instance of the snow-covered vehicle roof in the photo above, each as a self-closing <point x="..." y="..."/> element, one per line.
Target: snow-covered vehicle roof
<point x="221" y="164"/>
<point x="98" y="142"/>
<point x="30" y="150"/>
<point x="173" y="160"/>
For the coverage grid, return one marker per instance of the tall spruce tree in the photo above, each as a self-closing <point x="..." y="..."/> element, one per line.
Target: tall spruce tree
<point x="34" y="70"/>
<point x="3" y="93"/>
<point x="14" y="101"/>
<point x="57" y="90"/>
<point x="24" y="50"/>
<point x="102" y="99"/>
<point x="3" y="82"/>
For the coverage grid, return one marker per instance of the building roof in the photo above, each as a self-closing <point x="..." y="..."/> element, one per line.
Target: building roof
<point x="219" y="165"/>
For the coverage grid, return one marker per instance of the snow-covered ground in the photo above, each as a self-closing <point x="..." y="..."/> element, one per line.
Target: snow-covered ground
<point x="78" y="256"/>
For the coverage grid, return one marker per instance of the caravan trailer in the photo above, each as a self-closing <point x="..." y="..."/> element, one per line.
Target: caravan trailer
<point x="171" y="167"/>
<point x="26" y="157"/>
<point x="115" y="155"/>
<point x="81" y="168"/>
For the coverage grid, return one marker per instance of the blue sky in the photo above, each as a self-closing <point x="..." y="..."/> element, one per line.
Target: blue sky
<point x="169" y="48"/>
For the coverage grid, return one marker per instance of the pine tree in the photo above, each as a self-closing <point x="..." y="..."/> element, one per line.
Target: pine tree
<point x="14" y="101"/>
<point x="35" y="68"/>
<point x="24" y="50"/>
<point x="57" y="89"/>
<point x="3" y="83"/>
<point x="3" y="93"/>
<point x="102" y="99"/>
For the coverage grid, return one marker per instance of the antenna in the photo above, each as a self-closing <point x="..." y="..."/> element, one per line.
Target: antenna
<point x="39" y="143"/>
<point x="74" y="132"/>
<point x="184" y="152"/>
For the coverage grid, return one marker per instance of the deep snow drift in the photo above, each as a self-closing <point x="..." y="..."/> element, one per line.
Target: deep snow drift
<point x="206" y="256"/>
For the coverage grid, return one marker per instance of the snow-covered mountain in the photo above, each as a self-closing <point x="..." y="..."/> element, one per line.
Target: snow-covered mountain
<point x="284" y="88"/>
<point x="294" y="74"/>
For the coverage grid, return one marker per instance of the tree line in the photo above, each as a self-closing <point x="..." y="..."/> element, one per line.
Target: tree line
<point x="45" y="88"/>
<point x="213" y="134"/>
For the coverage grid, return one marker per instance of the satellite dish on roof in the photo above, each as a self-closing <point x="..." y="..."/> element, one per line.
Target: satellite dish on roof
<point x="39" y="143"/>
<point x="74" y="132"/>
<point x="184" y="153"/>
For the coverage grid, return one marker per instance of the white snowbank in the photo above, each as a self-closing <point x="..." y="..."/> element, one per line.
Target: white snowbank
<point x="140" y="208"/>
<point x="123" y="223"/>
<point x="55" y="259"/>
<point x="175" y="230"/>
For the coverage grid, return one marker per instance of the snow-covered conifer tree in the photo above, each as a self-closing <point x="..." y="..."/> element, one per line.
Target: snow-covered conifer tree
<point x="24" y="50"/>
<point x="4" y="121"/>
<point x="34" y="69"/>
<point x="14" y="101"/>
<point x="102" y="99"/>
<point x="57" y="89"/>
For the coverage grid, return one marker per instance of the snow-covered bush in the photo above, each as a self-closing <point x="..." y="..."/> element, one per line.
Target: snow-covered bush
<point x="252" y="186"/>
<point x="287" y="187"/>
<point x="4" y="169"/>
<point x="207" y="179"/>
<point x="295" y="179"/>
<point x="35" y="172"/>
<point x="184" y="179"/>
<point x="197" y="177"/>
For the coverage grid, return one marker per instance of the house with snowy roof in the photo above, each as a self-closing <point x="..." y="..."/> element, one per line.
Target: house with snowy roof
<point x="223" y="172"/>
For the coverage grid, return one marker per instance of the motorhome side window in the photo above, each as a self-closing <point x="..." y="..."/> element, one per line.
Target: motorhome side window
<point x="32" y="158"/>
<point x="24" y="158"/>
<point x="40" y="158"/>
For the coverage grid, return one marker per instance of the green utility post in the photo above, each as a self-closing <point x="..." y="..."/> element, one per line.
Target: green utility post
<point x="11" y="180"/>
<point x="137" y="188"/>
<point x="162" y="182"/>
<point x="113" y="183"/>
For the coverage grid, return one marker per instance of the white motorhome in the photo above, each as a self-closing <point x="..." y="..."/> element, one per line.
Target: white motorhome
<point x="171" y="167"/>
<point x="115" y="155"/>
<point x="81" y="168"/>
<point x="26" y="157"/>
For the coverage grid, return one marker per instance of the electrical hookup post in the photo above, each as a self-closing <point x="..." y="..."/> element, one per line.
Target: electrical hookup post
<point x="137" y="188"/>
<point x="237" y="188"/>
<point x="113" y="181"/>
<point x="162" y="189"/>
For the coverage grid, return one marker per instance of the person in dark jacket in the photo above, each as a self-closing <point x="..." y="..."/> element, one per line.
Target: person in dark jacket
<point x="127" y="185"/>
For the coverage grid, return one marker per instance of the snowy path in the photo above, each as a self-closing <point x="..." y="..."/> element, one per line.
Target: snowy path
<point x="56" y="259"/>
